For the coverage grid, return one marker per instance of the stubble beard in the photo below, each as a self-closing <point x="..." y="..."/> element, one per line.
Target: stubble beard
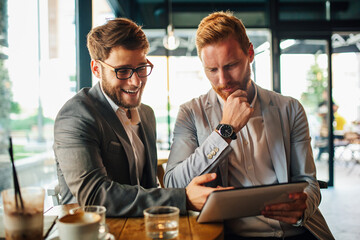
<point x="243" y="85"/>
<point x="115" y="94"/>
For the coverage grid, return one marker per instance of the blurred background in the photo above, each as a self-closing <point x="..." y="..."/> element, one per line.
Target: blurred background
<point x="307" y="49"/>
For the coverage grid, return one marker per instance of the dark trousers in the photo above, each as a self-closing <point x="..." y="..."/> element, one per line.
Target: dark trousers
<point x="304" y="236"/>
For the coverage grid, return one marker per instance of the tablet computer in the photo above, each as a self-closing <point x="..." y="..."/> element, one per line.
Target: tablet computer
<point x="245" y="202"/>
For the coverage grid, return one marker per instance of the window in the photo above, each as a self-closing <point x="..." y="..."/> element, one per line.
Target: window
<point x="41" y="70"/>
<point x="186" y="78"/>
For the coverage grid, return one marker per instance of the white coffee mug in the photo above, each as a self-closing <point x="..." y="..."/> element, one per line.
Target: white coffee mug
<point x="79" y="226"/>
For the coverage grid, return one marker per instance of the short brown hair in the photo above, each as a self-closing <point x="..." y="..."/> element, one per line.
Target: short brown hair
<point x="218" y="26"/>
<point x="117" y="32"/>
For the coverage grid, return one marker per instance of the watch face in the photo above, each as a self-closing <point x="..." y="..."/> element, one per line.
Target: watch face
<point x="226" y="130"/>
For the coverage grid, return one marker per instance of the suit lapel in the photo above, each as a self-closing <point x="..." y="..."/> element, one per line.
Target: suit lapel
<point x="274" y="135"/>
<point x="110" y="116"/>
<point x="130" y="156"/>
<point x="149" y="175"/>
<point x="213" y="110"/>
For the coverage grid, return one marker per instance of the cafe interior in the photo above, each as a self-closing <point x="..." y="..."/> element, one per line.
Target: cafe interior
<point x="306" y="49"/>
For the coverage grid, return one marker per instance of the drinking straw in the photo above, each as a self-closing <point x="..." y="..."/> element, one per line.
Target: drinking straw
<point x="16" y="182"/>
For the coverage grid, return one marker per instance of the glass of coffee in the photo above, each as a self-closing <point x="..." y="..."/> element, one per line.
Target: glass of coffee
<point x="24" y="222"/>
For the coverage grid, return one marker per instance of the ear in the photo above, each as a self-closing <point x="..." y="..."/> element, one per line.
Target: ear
<point x="95" y="68"/>
<point x="251" y="52"/>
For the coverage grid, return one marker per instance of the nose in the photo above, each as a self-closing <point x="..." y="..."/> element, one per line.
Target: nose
<point x="224" y="77"/>
<point x="135" y="80"/>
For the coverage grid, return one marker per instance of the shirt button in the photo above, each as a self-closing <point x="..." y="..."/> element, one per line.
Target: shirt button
<point x="209" y="156"/>
<point x="216" y="149"/>
<point x="213" y="153"/>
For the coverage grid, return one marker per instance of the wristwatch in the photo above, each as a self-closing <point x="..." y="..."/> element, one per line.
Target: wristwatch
<point x="226" y="131"/>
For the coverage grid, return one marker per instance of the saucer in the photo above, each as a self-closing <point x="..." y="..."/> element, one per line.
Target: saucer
<point x="107" y="236"/>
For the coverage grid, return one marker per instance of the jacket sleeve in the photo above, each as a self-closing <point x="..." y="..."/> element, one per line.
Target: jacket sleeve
<point x="79" y="146"/>
<point x="197" y="149"/>
<point x="302" y="165"/>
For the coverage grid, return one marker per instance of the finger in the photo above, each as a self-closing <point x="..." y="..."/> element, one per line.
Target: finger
<point x="290" y="220"/>
<point x="298" y="196"/>
<point x="277" y="207"/>
<point x="204" y="178"/>
<point x="239" y="93"/>
<point x="239" y="99"/>
<point x="242" y="99"/>
<point x="290" y="206"/>
<point x="219" y="188"/>
<point x="294" y="214"/>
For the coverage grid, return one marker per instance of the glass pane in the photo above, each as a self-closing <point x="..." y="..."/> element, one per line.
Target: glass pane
<point x="101" y="11"/>
<point x="188" y="13"/>
<point x="303" y="65"/>
<point x="261" y="66"/>
<point x="186" y="76"/>
<point x="303" y="10"/>
<point x="346" y="95"/>
<point x="250" y="17"/>
<point x="187" y="81"/>
<point x="345" y="9"/>
<point x="41" y="70"/>
<point x="156" y="96"/>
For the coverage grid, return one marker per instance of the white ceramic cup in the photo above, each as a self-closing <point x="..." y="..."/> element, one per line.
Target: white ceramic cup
<point x="101" y="210"/>
<point x="79" y="226"/>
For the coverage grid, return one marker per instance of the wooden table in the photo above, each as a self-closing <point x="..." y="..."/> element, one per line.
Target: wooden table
<point x="134" y="228"/>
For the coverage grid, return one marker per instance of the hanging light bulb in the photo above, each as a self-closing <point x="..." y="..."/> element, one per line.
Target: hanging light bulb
<point x="170" y="41"/>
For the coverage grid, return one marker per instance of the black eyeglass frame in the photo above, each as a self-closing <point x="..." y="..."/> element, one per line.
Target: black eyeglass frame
<point x="128" y="68"/>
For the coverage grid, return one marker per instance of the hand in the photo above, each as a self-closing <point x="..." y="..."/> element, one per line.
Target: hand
<point x="237" y="110"/>
<point x="289" y="212"/>
<point x="197" y="193"/>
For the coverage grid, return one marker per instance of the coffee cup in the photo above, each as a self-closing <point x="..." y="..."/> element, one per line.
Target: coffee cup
<point x="79" y="226"/>
<point x="26" y="220"/>
<point x="101" y="210"/>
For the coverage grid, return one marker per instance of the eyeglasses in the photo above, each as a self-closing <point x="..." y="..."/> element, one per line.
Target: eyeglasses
<point x="126" y="73"/>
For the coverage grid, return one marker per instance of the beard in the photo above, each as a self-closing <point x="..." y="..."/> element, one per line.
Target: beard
<point x="115" y="94"/>
<point x="242" y="85"/>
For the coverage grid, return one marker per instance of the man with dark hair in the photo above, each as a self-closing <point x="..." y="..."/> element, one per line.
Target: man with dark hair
<point x="248" y="135"/>
<point x="105" y="139"/>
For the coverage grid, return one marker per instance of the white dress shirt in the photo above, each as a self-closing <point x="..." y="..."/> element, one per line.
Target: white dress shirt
<point x="250" y="164"/>
<point x="131" y="127"/>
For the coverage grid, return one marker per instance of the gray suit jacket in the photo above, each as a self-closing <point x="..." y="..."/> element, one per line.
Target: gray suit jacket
<point x="198" y="149"/>
<point x="95" y="160"/>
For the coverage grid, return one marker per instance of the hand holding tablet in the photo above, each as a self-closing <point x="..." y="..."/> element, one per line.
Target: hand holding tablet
<point x="289" y="212"/>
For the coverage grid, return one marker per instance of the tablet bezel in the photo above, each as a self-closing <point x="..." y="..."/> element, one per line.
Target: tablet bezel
<point x="245" y="202"/>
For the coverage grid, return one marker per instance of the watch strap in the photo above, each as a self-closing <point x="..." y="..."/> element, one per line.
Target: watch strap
<point x="232" y="136"/>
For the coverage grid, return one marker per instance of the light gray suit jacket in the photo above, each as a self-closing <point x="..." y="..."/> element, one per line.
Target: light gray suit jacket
<point x="95" y="160"/>
<point x="198" y="149"/>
